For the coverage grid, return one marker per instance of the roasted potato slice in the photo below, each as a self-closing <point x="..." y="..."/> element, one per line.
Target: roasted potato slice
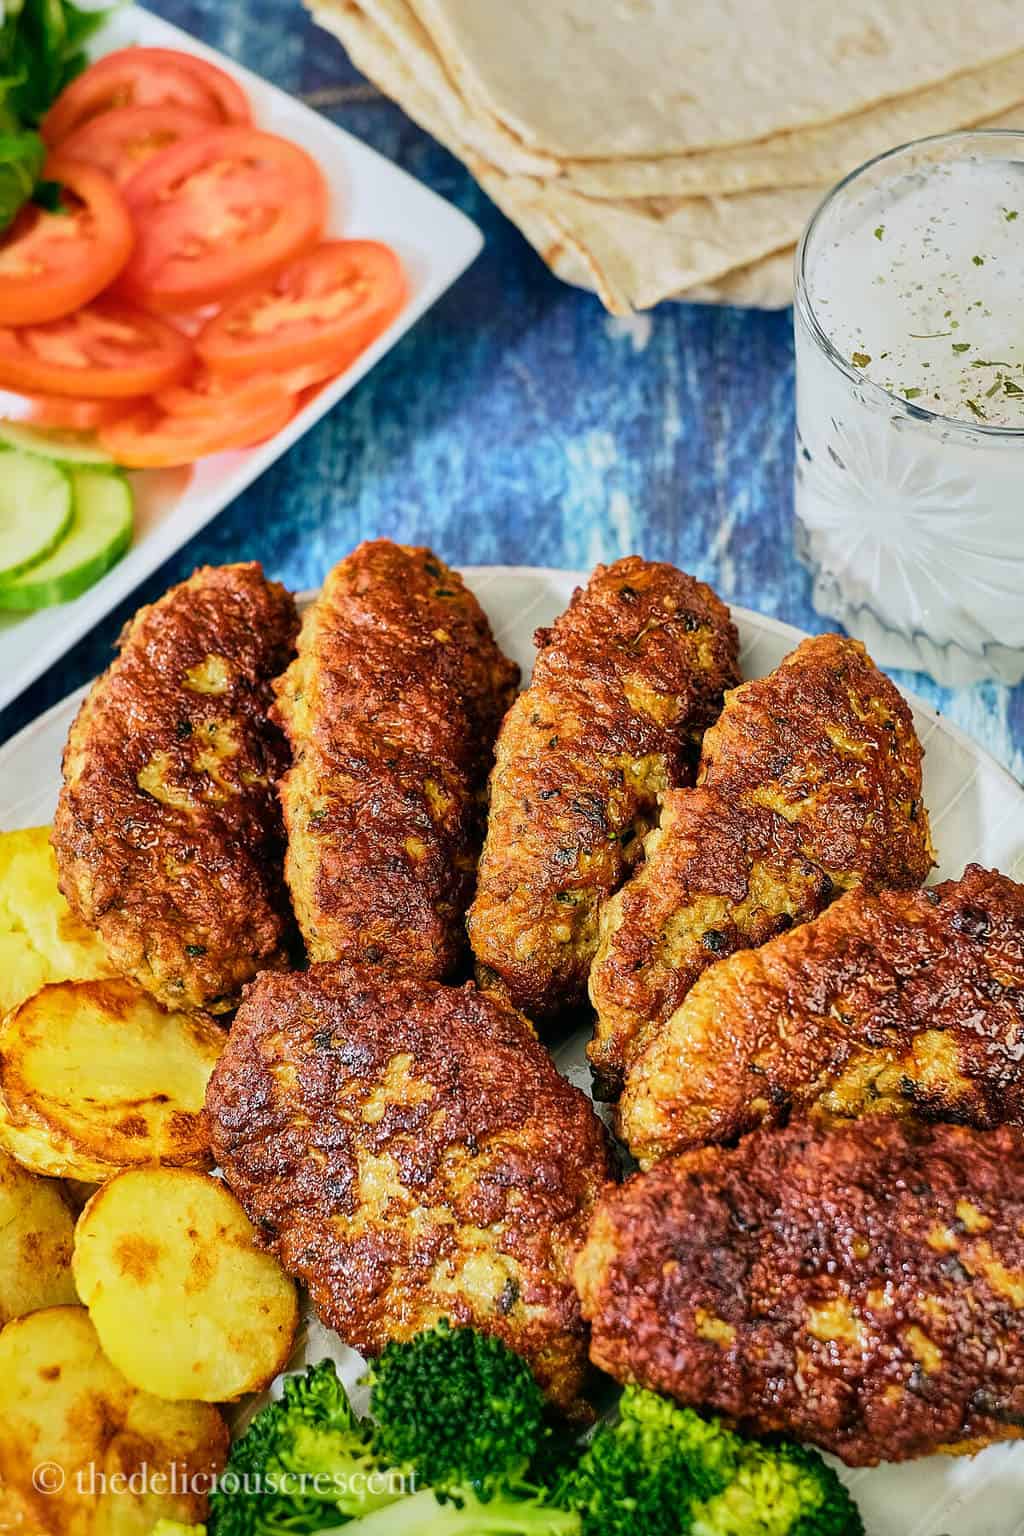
<point x="71" y="1418"/>
<point x="183" y="1300"/>
<point x="41" y="939"/>
<point x="35" y="1252"/>
<point x="96" y="1077"/>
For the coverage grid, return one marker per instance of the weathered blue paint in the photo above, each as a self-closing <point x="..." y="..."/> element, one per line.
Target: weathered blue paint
<point x="519" y="424"/>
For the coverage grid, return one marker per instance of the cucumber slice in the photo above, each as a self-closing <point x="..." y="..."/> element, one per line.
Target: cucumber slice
<point x="35" y="510"/>
<point x="65" y="447"/>
<point x="100" y="532"/>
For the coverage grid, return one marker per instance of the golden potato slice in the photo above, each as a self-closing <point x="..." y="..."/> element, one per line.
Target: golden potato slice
<point x="70" y="1419"/>
<point x="95" y="1077"/>
<point x="41" y="939"/>
<point x="184" y="1302"/>
<point x="36" y="1229"/>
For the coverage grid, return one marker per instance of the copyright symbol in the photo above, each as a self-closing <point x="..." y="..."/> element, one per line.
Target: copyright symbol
<point x="48" y="1477"/>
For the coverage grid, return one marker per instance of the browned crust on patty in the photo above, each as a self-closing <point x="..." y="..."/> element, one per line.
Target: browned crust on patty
<point x="861" y="1288"/>
<point x="168" y="834"/>
<point x="809" y="784"/>
<point x="904" y="1002"/>
<point x="625" y="683"/>
<point x="410" y="1152"/>
<point x="391" y="709"/>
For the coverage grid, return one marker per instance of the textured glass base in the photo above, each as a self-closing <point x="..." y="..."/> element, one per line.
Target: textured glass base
<point x="950" y="665"/>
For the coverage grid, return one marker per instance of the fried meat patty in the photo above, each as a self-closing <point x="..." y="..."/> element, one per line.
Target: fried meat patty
<point x="168" y="833"/>
<point x="860" y="1288"/>
<point x="904" y="1002"/>
<point x="410" y="1152"/>
<point x="809" y="783"/>
<point x="625" y="683"/>
<point x="391" y="707"/>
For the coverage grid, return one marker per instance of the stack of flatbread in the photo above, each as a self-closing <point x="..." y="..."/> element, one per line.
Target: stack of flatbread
<point x="654" y="149"/>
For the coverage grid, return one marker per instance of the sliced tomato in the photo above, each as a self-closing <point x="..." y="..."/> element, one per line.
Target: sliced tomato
<point x="152" y="439"/>
<point x="232" y="102"/>
<point x="75" y="415"/>
<point x="330" y="303"/>
<point x="50" y="263"/>
<point x="103" y="351"/>
<point x="214" y="215"/>
<point x="120" y="142"/>
<point x="312" y="375"/>
<point x="205" y="395"/>
<point x="207" y="392"/>
<point x="136" y="77"/>
<point x="191" y="321"/>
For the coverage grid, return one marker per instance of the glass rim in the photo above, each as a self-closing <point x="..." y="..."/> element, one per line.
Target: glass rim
<point x="805" y="308"/>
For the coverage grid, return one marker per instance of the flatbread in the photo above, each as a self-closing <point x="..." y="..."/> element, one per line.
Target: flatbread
<point x="766" y="284"/>
<point x="395" y="25"/>
<point x="809" y="155"/>
<point x="797" y="158"/>
<point x="794" y="158"/>
<point x="372" y="51"/>
<point x="643" y="252"/>
<point x="612" y="79"/>
<point x="633" y="253"/>
<point x="637" y="253"/>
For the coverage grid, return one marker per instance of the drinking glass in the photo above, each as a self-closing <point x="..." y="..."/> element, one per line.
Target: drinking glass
<point x="912" y="521"/>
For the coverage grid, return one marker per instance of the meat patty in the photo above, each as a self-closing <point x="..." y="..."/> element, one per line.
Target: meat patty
<point x="410" y="1152"/>
<point x="861" y="1288"/>
<point x="809" y="784"/>
<point x="625" y="683"/>
<point x="391" y="707"/>
<point x="168" y="834"/>
<point x="904" y="1002"/>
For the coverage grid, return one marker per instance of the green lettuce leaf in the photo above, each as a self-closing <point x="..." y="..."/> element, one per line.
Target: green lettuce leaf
<point x="21" y="161"/>
<point x="42" y="48"/>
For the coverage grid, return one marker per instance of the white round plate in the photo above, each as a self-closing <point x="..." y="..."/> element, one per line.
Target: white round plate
<point x="977" y="813"/>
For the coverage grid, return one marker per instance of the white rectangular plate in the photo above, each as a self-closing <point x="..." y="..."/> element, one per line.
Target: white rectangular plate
<point x="370" y="199"/>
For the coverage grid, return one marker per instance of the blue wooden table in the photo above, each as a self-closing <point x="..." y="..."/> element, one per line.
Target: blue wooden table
<point x="520" y="424"/>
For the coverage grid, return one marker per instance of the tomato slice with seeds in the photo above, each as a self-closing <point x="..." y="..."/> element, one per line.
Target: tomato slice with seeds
<point x="205" y="395"/>
<point x="120" y="142"/>
<point x="50" y="263"/>
<point x="146" y="77"/>
<point x="232" y="102"/>
<point x="330" y="303"/>
<point x="103" y="351"/>
<point x="214" y="215"/>
<point x="312" y="375"/>
<point x="151" y="439"/>
<point x="205" y="391"/>
<point x="74" y="415"/>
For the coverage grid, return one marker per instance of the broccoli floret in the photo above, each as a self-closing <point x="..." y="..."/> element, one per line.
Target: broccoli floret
<point x="459" y="1407"/>
<point x="464" y="1412"/>
<point x="779" y="1490"/>
<point x="644" y="1472"/>
<point x="307" y="1464"/>
<point x="519" y="1512"/>
<point x="462" y="1447"/>
<point x="304" y="1464"/>
<point x="667" y="1471"/>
